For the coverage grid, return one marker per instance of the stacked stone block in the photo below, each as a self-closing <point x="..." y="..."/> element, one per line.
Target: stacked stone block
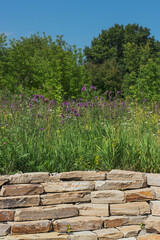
<point x="80" y="205"/>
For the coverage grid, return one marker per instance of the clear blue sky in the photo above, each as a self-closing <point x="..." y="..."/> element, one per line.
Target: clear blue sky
<point x="78" y="20"/>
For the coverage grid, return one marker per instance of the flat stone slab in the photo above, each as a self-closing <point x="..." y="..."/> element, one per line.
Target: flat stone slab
<point x="83" y="175"/>
<point x="89" y="209"/>
<point x="115" y="221"/>
<point x="126" y="175"/>
<point x="136" y="208"/>
<point x="155" y="207"/>
<point x="21" y="189"/>
<point x="42" y="213"/>
<point x="118" y="184"/>
<point x="77" y="224"/>
<point x="4" y="229"/>
<point x="152" y="224"/>
<point x="108" y="196"/>
<point x="37" y="177"/>
<point x="19" y="201"/>
<point x="68" y="197"/>
<point x="145" y="194"/>
<point x="132" y="238"/>
<point x="153" y="179"/>
<point x="86" y="235"/>
<point x="69" y="186"/>
<point x="31" y="227"/>
<point x="108" y="234"/>
<point x="6" y="215"/>
<point x="39" y="236"/>
<point x="130" y="231"/>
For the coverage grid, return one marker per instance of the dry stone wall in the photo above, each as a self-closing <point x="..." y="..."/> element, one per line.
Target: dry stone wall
<point x="80" y="205"/>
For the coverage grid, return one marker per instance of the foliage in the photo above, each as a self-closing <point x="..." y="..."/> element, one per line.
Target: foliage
<point x="38" y="134"/>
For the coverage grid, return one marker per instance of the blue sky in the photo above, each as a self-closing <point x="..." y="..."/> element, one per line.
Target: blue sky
<point x="78" y="20"/>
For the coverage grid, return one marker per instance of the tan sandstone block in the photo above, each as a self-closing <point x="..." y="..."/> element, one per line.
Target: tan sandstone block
<point x="153" y="179"/>
<point x="152" y="224"/>
<point x="136" y="208"/>
<point x="3" y="179"/>
<point x="108" y="234"/>
<point x="77" y="224"/>
<point x="126" y="175"/>
<point x="21" y="189"/>
<point x="86" y="235"/>
<point x="135" y="220"/>
<point x="4" y="229"/>
<point x="149" y="237"/>
<point x="42" y="213"/>
<point x="155" y="207"/>
<point x="6" y="215"/>
<point x="31" y="227"/>
<point x="23" y="178"/>
<point x="68" y="186"/>
<point x="130" y="231"/>
<point x="83" y="175"/>
<point x="108" y="196"/>
<point x="19" y="201"/>
<point x="39" y="236"/>
<point x="68" y="197"/>
<point x="97" y="210"/>
<point x="118" y="184"/>
<point x="115" y="221"/>
<point x="145" y="194"/>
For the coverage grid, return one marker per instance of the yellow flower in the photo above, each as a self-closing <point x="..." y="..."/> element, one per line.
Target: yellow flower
<point x="2" y="127"/>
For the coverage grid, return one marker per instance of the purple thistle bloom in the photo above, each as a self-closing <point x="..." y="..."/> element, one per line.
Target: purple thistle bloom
<point x="11" y="105"/>
<point x="101" y="98"/>
<point x="20" y="95"/>
<point x="62" y="121"/>
<point x="42" y="129"/>
<point x="62" y="115"/>
<point x="95" y="97"/>
<point x="68" y="103"/>
<point x="83" y="88"/>
<point x="93" y="88"/>
<point x="47" y="100"/>
<point x="30" y="105"/>
<point x="110" y="92"/>
<point x="38" y="115"/>
<point x="42" y="97"/>
<point x="77" y="114"/>
<point x="51" y="102"/>
<point x="118" y="92"/>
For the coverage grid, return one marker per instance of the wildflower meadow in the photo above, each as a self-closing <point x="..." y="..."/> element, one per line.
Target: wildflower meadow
<point x="95" y="132"/>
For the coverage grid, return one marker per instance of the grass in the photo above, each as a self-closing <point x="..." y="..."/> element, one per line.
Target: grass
<point x="37" y="134"/>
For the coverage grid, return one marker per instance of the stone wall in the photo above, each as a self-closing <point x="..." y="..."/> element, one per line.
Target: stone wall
<point x="79" y="205"/>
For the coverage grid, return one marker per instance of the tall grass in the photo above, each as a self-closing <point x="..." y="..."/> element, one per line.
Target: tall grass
<point x="37" y="134"/>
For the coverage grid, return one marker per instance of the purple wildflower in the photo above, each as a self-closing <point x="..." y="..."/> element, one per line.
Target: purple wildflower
<point x="118" y="92"/>
<point x="42" y="129"/>
<point x="83" y="88"/>
<point x="11" y="105"/>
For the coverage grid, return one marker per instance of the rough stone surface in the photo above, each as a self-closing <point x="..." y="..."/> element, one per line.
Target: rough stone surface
<point x="68" y="197"/>
<point x="108" y="234"/>
<point x="6" y="215"/>
<point x="126" y="175"/>
<point x="19" y="201"/>
<point x="118" y="184"/>
<point x="68" y="186"/>
<point x="149" y="237"/>
<point x="77" y="224"/>
<point x="93" y="209"/>
<point x="153" y="179"/>
<point x="37" y="177"/>
<point x="86" y="235"/>
<point x="155" y="207"/>
<point x="115" y="221"/>
<point x="136" y="208"/>
<point x="83" y="176"/>
<point x="145" y="194"/>
<point x="157" y="192"/>
<point x="3" y="179"/>
<point x="42" y="213"/>
<point x="4" y="229"/>
<point x="130" y="231"/>
<point x="39" y="236"/>
<point x="132" y="238"/>
<point x="31" y="227"/>
<point x="108" y="196"/>
<point x="152" y="224"/>
<point x="21" y="189"/>
<point x="135" y="220"/>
